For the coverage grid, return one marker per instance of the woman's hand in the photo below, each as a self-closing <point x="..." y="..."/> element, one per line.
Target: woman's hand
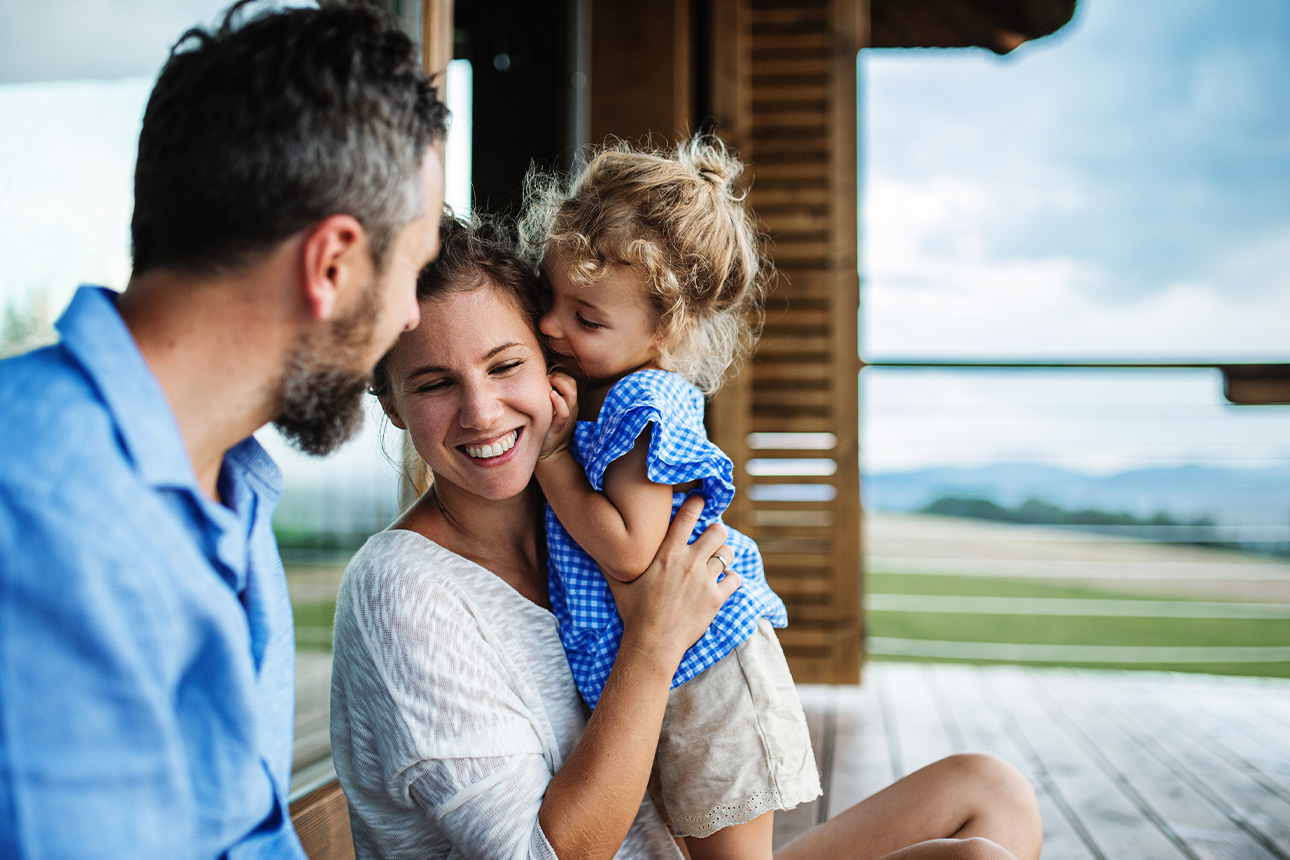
<point x="564" y="410"/>
<point x="668" y="607"/>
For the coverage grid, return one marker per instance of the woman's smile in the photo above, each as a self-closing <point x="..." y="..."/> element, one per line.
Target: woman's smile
<point x="494" y="450"/>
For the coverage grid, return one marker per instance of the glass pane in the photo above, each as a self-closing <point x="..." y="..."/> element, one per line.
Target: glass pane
<point x="66" y="177"/>
<point x="1117" y="192"/>
<point x="1119" y="189"/>
<point x="72" y="92"/>
<point x="1060" y="517"/>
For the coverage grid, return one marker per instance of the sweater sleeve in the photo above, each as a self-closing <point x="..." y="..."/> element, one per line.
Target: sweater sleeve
<point x="487" y="807"/>
<point x="443" y="743"/>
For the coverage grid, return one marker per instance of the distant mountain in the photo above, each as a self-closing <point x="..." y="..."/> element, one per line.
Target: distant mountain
<point x="1226" y="496"/>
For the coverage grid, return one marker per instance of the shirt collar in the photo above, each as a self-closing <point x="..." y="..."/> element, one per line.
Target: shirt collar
<point x="254" y="464"/>
<point x="93" y="331"/>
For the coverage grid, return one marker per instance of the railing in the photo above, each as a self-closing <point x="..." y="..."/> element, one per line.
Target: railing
<point x="1183" y="564"/>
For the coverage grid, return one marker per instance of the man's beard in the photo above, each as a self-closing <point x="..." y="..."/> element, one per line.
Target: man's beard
<point x="321" y="393"/>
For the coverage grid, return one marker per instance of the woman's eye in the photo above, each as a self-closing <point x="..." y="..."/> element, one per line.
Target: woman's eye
<point x="433" y="385"/>
<point x="508" y="366"/>
<point x="586" y="323"/>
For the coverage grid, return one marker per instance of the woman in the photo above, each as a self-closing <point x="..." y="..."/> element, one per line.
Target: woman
<point x="456" y="726"/>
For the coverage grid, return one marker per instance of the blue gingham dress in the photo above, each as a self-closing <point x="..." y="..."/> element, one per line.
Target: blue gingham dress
<point x="679" y="452"/>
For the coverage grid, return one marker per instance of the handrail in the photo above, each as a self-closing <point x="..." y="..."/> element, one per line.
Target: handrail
<point x="1249" y="383"/>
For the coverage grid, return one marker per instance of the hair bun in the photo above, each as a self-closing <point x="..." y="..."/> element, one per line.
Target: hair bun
<point x="711" y="161"/>
<point x="713" y="175"/>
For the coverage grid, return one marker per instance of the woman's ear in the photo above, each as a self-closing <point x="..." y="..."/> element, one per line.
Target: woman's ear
<point x="387" y="406"/>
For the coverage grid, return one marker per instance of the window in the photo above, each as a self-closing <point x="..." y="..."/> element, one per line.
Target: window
<point x="73" y="86"/>
<point x="1113" y="195"/>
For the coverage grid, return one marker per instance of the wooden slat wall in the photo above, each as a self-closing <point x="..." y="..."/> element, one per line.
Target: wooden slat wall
<point x="785" y="97"/>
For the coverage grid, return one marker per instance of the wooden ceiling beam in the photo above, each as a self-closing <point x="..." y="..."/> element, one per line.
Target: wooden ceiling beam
<point x="997" y="25"/>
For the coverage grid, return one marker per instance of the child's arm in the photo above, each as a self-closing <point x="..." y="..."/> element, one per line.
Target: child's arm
<point x="620" y="528"/>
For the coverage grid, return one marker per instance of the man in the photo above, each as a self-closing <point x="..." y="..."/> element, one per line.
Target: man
<point x="286" y="196"/>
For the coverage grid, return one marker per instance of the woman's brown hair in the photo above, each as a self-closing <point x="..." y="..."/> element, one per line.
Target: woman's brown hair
<point x="472" y="254"/>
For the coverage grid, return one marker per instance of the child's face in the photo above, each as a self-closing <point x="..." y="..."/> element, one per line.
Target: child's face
<point x="609" y="327"/>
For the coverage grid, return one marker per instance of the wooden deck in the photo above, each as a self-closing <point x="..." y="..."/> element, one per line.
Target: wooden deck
<point x="1149" y="766"/>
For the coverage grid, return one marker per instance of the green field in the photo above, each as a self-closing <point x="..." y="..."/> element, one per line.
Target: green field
<point x="313" y="618"/>
<point x="1057" y="629"/>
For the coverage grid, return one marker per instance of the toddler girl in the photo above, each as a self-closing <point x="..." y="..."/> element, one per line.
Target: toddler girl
<point x="656" y="275"/>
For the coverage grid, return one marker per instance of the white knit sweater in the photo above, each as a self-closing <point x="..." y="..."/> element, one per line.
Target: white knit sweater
<point x="452" y="706"/>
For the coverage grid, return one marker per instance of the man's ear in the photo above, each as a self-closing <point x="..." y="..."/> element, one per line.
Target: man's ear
<point x="335" y="258"/>
<point x="390" y="412"/>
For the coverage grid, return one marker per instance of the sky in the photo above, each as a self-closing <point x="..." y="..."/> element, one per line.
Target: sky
<point x="1120" y="190"/>
<point x="1117" y="191"/>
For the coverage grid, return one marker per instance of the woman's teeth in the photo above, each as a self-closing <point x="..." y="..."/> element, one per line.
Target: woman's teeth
<point x="496" y="449"/>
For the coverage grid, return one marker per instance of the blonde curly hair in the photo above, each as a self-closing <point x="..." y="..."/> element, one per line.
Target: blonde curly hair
<point x="677" y="216"/>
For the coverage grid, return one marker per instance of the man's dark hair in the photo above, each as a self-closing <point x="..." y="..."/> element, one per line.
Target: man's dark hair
<point x="267" y="125"/>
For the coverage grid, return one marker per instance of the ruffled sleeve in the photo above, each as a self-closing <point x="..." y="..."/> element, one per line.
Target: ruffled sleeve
<point x="679" y="450"/>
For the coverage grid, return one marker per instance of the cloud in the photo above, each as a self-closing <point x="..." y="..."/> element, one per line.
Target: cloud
<point x="66" y="177"/>
<point x="936" y="288"/>
<point x="1150" y="139"/>
<point x="1098" y="422"/>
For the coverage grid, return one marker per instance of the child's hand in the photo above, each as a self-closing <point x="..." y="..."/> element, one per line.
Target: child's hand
<point x="564" y="411"/>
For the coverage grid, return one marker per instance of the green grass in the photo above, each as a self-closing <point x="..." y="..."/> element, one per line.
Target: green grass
<point x="992" y="586"/>
<point x="1069" y="629"/>
<point x="314" y="617"/>
<point x="1081" y="630"/>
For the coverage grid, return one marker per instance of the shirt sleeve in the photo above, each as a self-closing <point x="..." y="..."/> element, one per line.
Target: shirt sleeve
<point x="487" y="807"/>
<point x="127" y="718"/>
<point x="679" y="449"/>
<point x="443" y="720"/>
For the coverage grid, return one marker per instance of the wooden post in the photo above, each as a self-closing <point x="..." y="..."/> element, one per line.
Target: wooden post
<point x="436" y="53"/>
<point x="784" y="93"/>
<point x="640" y="70"/>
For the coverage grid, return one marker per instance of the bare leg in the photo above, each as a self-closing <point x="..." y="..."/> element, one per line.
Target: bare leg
<point x="750" y="841"/>
<point x="964" y="806"/>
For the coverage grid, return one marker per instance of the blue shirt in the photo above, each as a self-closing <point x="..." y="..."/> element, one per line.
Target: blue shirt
<point x="146" y="651"/>
<point x="679" y="452"/>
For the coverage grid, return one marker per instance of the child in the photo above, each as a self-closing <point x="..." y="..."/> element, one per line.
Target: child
<point x="656" y="273"/>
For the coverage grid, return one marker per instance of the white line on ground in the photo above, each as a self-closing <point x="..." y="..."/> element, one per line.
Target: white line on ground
<point x="1072" y="606"/>
<point x="1078" y="569"/>
<point x="1018" y="653"/>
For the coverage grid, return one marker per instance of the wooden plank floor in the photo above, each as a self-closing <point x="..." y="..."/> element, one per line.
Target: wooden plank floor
<point x="1150" y="766"/>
